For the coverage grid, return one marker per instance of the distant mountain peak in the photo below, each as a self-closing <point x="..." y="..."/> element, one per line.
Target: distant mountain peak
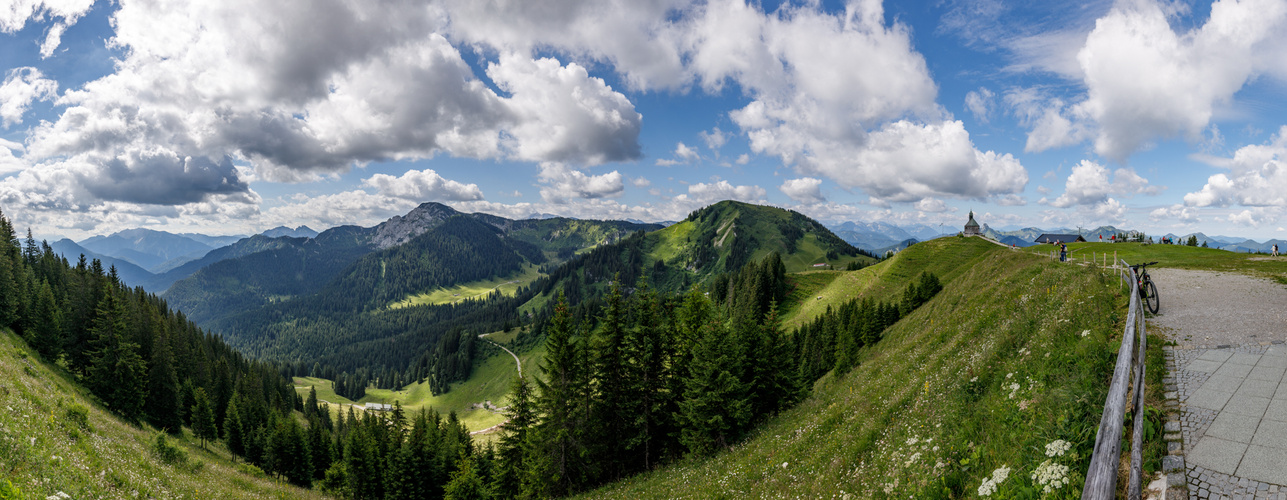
<point x="402" y="228"/>
<point x="299" y="232"/>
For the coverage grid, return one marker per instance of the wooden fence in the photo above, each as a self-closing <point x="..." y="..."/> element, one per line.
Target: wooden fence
<point x="1101" y="477"/>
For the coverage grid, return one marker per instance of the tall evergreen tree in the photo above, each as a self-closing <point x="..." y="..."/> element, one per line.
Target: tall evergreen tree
<point x="234" y="432"/>
<point x="511" y="458"/>
<point x="117" y="374"/>
<point x="163" y="385"/>
<point x="559" y="438"/>
<point x="652" y="347"/>
<point x="467" y="484"/>
<point x="47" y="336"/>
<point x="615" y="402"/>
<point x="203" y="420"/>
<point x="714" y="407"/>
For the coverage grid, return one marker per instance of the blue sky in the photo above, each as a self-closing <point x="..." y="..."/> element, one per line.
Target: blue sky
<point x="233" y="116"/>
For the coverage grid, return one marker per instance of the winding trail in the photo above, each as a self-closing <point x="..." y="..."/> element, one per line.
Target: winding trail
<point x="511" y="353"/>
<point x="518" y="362"/>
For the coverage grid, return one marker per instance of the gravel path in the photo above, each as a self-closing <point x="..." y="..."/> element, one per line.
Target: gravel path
<point x="1213" y="308"/>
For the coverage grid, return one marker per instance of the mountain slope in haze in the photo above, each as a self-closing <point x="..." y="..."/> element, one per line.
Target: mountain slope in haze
<point x="130" y="273"/>
<point x="298" y="232"/>
<point x="146" y="248"/>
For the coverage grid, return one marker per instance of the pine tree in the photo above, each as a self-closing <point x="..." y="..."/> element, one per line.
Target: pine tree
<point x="558" y="438"/>
<point x="514" y="433"/>
<point x="466" y="483"/>
<point x="651" y="343"/>
<point x="203" y="421"/>
<point x="779" y="388"/>
<point x="319" y="447"/>
<point x="615" y="403"/>
<point x="47" y="336"/>
<point x="163" y="386"/>
<point x="294" y="461"/>
<point x="714" y="407"/>
<point x="117" y="373"/>
<point x="310" y="406"/>
<point x="234" y="432"/>
<point x="8" y="292"/>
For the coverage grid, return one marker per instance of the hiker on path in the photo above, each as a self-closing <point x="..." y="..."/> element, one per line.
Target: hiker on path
<point x="1063" y="251"/>
<point x="1275" y="250"/>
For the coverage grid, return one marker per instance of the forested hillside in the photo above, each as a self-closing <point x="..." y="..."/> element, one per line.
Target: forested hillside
<point x="150" y="366"/>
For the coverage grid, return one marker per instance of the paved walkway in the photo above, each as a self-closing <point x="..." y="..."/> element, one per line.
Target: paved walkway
<point x="1228" y="380"/>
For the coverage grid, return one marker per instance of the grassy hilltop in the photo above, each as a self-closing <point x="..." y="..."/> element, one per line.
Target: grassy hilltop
<point x="1014" y="355"/>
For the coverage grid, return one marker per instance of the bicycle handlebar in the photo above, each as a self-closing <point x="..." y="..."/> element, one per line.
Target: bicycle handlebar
<point x="1143" y="265"/>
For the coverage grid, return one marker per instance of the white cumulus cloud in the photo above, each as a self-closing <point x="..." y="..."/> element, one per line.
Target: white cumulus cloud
<point x="423" y="185"/>
<point x="804" y="190"/>
<point x="21" y="87"/>
<point x="562" y="183"/>
<point x="1257" y="177"/>
<point x="1090" y="184"/>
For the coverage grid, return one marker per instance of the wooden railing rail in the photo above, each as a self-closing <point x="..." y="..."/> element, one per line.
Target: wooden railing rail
<point x="1101" y="477"/>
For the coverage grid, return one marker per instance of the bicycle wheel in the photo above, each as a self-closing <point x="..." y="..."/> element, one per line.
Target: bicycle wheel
<point x="1151" y="300"/>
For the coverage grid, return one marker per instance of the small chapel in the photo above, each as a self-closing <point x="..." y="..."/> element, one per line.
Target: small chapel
<point x="971" y="227"/>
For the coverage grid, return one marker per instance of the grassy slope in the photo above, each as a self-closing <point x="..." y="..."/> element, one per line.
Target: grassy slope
<point x="507" y="285"/>
<point x="42" y="453"/>
<point x="490" y="382"/>
<point x="885" y="281"/>
<point x="915" y="402"/>
<point x="1177" y="256"/>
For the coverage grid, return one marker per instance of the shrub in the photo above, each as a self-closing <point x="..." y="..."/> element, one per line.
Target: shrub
<point x="251" y="470"/>
<point x="78" y="416"/>
<point x="167" y="453"/>
<point x="8" y="491"/>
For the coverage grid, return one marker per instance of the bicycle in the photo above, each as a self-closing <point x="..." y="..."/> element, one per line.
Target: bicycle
<point x="1148" y="291"/>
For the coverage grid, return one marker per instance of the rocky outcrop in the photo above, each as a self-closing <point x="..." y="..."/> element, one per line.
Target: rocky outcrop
<point x="403" y="228"/>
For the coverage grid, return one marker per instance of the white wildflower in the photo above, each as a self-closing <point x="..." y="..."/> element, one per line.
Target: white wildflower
<point x="1050" y="476"/>
<point x="1057" y="448"/>
<point x="1014" y="389"/>
<point x="987" y="488"/>
<point x="999" y="476"/>
<point x="1009" y="375"/>
<point x="975" y="379"/>
<point x="912" y="459"/>
<point x="912" y="440"/>
<point x="1085" y="333"/>
<point x="784" y="465"/>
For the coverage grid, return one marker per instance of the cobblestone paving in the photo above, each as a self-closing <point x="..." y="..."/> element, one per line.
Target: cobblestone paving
<point x="1233" y="449"/>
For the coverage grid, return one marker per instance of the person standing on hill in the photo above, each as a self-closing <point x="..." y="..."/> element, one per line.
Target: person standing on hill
<point x="1063" y="251"/>
<point x="1275" y="254"/>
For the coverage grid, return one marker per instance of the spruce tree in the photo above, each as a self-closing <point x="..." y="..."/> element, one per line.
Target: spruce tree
<point x="163" y="387"/>
<point x="651" y="345"/>
<point x="466" y="483"/>
<point x="47" y="336"/>
<point x="714" y="407"/>
<point x="514" y="433"/>
<point x="203" y="421"/>
<point x="234" y="432"/>
<point x="558" y="438"/>
<point x="615" y="403"/>
<point x="117" y="373"/>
